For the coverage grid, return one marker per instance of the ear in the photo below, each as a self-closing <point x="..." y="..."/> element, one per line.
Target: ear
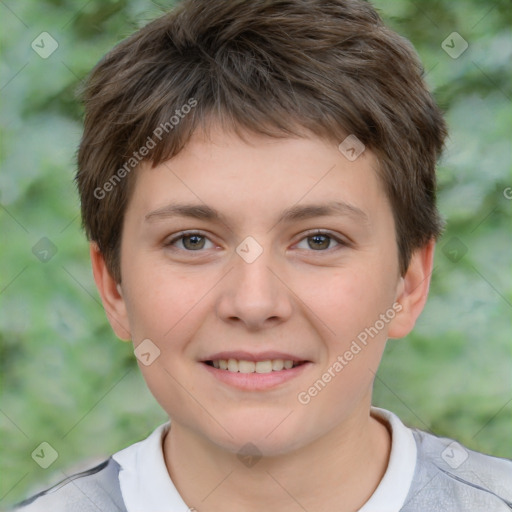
<point x="412" y="291"/>
<point x="111" y="294"/>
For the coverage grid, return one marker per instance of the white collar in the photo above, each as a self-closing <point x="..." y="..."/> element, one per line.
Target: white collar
<point x="394" y="487"/>
<point x="144" y="480"/>
<point x="146" y="485"/>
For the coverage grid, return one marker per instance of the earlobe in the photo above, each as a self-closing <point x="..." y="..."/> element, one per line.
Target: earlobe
<point x="110" y="293"/>
<point x="412" y="291"/>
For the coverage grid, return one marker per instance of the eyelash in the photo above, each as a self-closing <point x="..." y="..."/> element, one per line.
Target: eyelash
<point x="318" y="232"/>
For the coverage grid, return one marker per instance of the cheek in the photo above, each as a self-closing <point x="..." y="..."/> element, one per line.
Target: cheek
<point x="157" y="299"/>
<point x="348" y="300"/>
<point x="350" y="305"/>
<point x="346" y="374"/>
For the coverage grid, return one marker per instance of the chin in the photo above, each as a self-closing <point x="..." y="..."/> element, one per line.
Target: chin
<point x="270" y="436"/>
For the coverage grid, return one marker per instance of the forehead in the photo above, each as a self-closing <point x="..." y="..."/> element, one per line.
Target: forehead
<point x="275" y="178"/>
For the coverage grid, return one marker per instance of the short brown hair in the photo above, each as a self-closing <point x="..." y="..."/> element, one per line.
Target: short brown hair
<point x="279" y="68"/>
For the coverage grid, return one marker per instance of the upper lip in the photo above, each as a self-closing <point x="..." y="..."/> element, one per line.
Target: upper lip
<point x="241" y="355"/>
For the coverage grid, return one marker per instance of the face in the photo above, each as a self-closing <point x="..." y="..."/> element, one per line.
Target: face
<point x="257" y="255"/>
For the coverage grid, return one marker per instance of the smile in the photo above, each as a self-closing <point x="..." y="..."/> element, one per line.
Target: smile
<point x="244" y="366"/>
<point x="257" y="375"/>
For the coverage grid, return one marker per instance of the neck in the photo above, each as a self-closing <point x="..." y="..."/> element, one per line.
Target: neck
<point x="339" y="471"/>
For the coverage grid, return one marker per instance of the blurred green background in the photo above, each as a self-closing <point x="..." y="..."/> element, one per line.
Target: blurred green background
<point x="65" y="378"/>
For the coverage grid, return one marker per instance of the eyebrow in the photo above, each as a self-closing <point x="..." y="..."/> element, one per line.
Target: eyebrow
<point x="294" y="213"/>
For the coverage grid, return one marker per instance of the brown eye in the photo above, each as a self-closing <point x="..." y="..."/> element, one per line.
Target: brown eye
<point x="317" y="242"/>
<point x="193" y="242"/>
<point x="190" y="242"/>
<point x="321" y="242"/>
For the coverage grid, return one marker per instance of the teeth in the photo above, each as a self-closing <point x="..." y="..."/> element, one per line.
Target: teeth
<point x="263" y="366"/>
<point x="246" y="366"/>
<point x="242" y="366"/>
<point x="277" y="364"/>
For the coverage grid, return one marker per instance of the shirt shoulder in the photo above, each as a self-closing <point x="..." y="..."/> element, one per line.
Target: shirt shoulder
<point x="88" y="491"/>
<point x="451" y="477"/>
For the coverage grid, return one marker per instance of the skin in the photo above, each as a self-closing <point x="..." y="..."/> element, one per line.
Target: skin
<point x="296" y="298"/>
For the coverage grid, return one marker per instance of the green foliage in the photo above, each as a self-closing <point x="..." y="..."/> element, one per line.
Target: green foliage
<point x="65" y="378"/>
<point x="453" y="374"/>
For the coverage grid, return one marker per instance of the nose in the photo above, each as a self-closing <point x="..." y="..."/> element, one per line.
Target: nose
<point x="254" y="294"/>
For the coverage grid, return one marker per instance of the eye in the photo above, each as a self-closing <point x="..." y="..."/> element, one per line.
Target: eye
<point x="321" y="240"/>
<point x="193" y="241"/>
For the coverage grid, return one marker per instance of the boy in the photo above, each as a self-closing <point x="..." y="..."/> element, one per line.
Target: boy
<point x="258" y="184"/>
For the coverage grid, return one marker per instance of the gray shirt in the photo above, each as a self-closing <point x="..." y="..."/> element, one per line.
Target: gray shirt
<point x="447" y="478"/>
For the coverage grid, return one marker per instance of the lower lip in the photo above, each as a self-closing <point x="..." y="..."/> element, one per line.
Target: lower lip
<point x="256" y="381"/>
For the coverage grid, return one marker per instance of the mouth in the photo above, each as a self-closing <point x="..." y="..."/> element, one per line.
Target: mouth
<point x="245" y="366"/>
<point x="251" y="372"/>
